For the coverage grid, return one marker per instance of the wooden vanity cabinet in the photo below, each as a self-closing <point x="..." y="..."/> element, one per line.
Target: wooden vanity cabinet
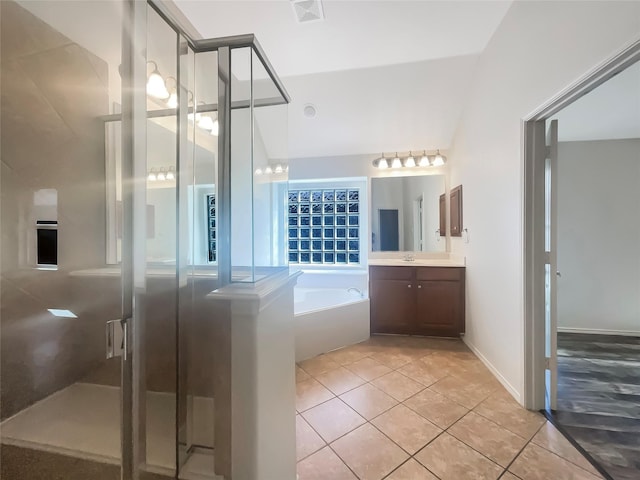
<point x="417" y="300"/>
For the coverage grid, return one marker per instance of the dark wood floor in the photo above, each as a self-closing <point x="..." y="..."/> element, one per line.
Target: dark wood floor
<point x="599" y="399"/>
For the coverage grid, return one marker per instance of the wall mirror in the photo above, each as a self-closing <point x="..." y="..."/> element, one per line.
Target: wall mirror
<point x="405" y="214"/>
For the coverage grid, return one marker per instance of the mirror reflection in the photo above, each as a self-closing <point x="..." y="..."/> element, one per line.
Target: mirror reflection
<point x="405" y="214"/>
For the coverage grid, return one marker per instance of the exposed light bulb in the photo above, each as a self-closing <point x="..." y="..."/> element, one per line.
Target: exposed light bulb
<point x="439" y="160"/>
<point x="170" y="174"/>
<point x="268" y="170"/>
<point x="382" y="164"/>
<point x="172" y="102"/>
<point x="258" y="171"/>
<point x="396" y="163"/>
<point x="156" y="87"/>
<point x="410" y="161"/>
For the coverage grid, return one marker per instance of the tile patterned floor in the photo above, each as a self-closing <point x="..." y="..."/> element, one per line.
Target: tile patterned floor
<point x="408" y="408"/>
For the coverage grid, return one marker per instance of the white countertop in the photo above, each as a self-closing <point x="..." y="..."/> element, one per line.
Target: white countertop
<point x="418" y="262"/>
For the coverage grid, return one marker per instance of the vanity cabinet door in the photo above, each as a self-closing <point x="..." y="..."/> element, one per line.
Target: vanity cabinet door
<point x="438" y="308"/>
<point x="439" y="301"/>
<point x="392" y="306"/>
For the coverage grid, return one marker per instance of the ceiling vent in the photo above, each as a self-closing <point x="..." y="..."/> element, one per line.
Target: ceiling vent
<point x="308" y="10"/>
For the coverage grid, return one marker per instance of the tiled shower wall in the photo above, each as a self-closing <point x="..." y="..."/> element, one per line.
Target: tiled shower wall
<point x="53" y="93"/>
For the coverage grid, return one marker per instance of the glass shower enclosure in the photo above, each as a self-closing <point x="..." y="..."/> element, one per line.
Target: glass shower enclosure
<point x="182" y="135"/>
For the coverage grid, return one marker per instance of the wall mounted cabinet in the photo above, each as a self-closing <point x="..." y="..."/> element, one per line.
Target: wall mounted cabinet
<point x="417" y="300"/>
<point x="455" y="213"/>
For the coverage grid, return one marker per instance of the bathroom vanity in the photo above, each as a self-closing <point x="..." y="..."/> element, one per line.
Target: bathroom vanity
<point x="417" y="298"/>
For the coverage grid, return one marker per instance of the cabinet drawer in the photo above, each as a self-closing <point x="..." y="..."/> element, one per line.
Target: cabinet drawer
<point x="391" y="273"/>
<point x="439" y="273"/>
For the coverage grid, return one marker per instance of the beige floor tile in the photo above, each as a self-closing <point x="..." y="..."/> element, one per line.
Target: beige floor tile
<point x="369" y="453"/>
<point x="502" y="409"/>
<point x="301" y="375"/>
<point x="368" y="401"/>
<point x="411" y="470"/>
<point x="340" y="380"/>
<point x="441" y="363"/>
<point x="348" y="355"/>
<point x="311" y="393"/>
<point x="451" y="459"/>
<point x="537" y="463"/>
<point x="406" y="428"/>
<point x="324" y="465"/>
<point x="509" y="476"/>
<point x="398" y="386"/>
<point x="369" y="369"/>
<point x="493" y="441"/>
<point x="550" y="438"/>
<point x="436" y="408"/>
<point x="333" y="419"/>
<point x="393" y="358"/>
<point x="419" y="372"/>
<point x="317" y="365"/>
<point x="307" y="440"/>
<point x="466" y="393"/>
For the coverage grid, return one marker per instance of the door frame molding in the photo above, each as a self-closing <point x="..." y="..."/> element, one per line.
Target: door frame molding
<point x="533" y="155"/>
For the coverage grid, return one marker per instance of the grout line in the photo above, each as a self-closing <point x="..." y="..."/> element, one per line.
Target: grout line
<point x="445" y="430"/>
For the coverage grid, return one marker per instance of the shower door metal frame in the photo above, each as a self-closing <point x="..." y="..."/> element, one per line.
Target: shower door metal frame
<point x="134" y="171"/>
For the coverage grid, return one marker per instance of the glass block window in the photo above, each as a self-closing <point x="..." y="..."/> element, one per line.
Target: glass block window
<point x="324" y="226"/>
<point x="211" y="226"/>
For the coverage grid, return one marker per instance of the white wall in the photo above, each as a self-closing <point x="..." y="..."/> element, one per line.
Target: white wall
<point x="539" y="49"/>
<point x="599" y="236"/>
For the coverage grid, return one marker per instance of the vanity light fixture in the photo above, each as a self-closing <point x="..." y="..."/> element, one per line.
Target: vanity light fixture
<point x="410" y="161"/>
<point x="152" y="177"/>
<point x="396" y="163"/>
<point x="439" y="160"/>
<point x="171" y="174"/>
<point x="277" y="169"/>
<point x="172" y="101"/>
<point x="162" y="175"/>
<point x="155" y="83"/>
<point x="436" y="160"/>
<point x="424" y="161"/>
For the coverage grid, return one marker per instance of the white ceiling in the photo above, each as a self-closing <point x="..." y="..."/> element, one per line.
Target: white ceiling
<point x="610" y="112"/>
<point x="383" y="75"/>
<point x="354" y="34"/>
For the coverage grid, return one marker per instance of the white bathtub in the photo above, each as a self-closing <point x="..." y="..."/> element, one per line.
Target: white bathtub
<point x="328" y="318"/>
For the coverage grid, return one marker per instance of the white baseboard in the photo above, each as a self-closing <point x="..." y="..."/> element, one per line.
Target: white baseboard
<point x="505" y="383"/>
<point x="598" y="331"/>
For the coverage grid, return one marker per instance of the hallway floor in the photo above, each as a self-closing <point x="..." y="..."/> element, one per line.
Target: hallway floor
<point x="599" y="398"/>
<point x="410" y="408"/>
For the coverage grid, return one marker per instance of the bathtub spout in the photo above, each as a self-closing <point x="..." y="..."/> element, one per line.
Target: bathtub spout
<point x="354" y="289"/>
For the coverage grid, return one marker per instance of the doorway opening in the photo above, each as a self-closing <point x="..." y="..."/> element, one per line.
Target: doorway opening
<point x="579" y="358"/>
